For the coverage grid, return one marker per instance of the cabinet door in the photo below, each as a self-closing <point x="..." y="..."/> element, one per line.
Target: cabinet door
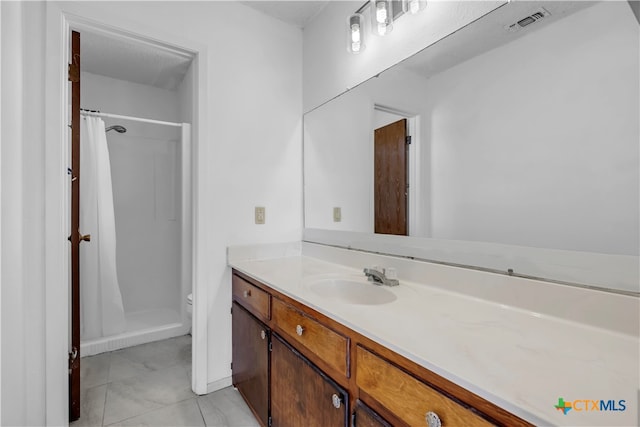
<point x="301" y="394"/>
<point x="363" y="416"/>
<point x="250" y="355"/>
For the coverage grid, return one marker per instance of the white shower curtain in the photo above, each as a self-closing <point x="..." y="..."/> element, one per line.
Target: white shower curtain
<point x="102" y="312"/>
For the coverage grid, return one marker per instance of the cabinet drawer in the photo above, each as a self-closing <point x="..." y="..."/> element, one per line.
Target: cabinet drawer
<point x="328" y="345"/>
<point x="407" y="397"/>
<point x="252" y="298"/>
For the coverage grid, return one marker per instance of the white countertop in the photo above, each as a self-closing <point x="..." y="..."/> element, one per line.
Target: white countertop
<point x="521" y="360"/>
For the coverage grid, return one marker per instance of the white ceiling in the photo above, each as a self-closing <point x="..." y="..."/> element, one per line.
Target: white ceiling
<point x="488" y="33"/>
<point x="164" y="67"/>
<point x="128" y="59"/>
<point x="296" y="12"/>
<point x="132" y="60"/>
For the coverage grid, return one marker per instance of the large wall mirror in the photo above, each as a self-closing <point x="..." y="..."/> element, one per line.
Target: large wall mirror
<point x="506" y="147"/>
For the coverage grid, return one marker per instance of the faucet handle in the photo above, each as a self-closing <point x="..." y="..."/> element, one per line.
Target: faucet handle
<point x="390" y="272"/>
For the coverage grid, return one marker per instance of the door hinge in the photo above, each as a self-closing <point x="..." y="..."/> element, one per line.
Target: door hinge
<point x="73" y="355"/>
<point x="232" y="366"/>
<point x="407" y="139"/>
<point x="269" y="421"/>
<point x="74" y="73"/>
<point x="270" y="346"/>
<point x="231" y="311"/>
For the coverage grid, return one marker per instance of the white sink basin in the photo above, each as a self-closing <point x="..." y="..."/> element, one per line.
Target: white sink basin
<point x="351" y="291"/>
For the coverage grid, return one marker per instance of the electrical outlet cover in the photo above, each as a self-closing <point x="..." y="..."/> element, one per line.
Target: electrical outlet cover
<point x="260" y="214"/>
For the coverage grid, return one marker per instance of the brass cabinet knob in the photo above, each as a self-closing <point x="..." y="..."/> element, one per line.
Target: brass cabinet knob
<point x="246" y="294"/>
<point x="299" y="330"/>
<point x="263" y="334"/>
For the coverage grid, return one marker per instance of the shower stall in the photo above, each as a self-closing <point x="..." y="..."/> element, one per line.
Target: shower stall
<point x="143" y="120"/>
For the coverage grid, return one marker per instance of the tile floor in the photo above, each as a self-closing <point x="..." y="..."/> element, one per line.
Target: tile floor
<point x="150" y="385"/>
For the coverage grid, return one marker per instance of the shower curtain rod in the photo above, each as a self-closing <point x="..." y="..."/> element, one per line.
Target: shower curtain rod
<point x="135" y="119"/>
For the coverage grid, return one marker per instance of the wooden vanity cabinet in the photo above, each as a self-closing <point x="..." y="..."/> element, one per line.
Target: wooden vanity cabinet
<point x="280" y="385"/>
<point x="364" y="416"/>
<point x="301" y="394"/>
<point x="253" y="298"/>
<point x="406" y="396"/>
<point x="321" y="373"/>
<point x="330" y="347"/>
<point x="250" y="355"/>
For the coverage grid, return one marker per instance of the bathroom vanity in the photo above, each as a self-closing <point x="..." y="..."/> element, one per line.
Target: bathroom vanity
<point x="314" y="343"/>
<point x="518" y="296"/>
<point x="311" y="370"/>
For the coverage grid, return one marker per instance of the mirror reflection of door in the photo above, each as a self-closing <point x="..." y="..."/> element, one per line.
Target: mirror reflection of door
<point x="390" y="178"/>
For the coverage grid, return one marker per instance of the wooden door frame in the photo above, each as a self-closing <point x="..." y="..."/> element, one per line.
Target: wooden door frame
<point x="57" y="269"/>
<point x="413" y="163"/>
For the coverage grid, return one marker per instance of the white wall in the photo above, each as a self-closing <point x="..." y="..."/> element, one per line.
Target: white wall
<point x="498" y="135"/>
<point x="252" y="154"/>
<point x="253" y="151"/>
<point x="338" y="157"/>
<point x="146" y="189"/>
<point x="329" y="69"/>
<point x="338" y="164"/>
<point x="23" y="281"/>
<point x="1" y="83"/>
<point x="571" y="107"/>
<point x="384" y="118"/>
<point x="185" y="96"/>
<point x="186" y="107"/>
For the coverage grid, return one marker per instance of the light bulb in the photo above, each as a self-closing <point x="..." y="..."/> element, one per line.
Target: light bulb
<point x="414" y="6"/>
<point x="382" y="29"/>
<point x="381" y="12"/>
<point x="355" y="38"/>
<point x="355" y="33"/>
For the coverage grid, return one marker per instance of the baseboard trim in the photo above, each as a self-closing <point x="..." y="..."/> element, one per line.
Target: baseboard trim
<point x="218" y="385"/>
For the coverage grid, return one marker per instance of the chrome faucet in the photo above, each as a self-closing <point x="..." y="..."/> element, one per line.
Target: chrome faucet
<point x="379" y="277"/>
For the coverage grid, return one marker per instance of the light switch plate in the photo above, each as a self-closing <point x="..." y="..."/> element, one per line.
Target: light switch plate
<point x="259" y="215"/>
<point x="337" y="214"/>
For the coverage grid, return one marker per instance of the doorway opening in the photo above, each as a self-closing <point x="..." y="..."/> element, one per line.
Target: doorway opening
<point x="151" y="89"/>
<point x="396" y="171"/>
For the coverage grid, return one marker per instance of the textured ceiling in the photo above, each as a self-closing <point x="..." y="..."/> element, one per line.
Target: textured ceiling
<point x="131" y="60"/>
<point x="486" y="34"/>
<point x="298" y="13"/>
<point x="153" y="65"/>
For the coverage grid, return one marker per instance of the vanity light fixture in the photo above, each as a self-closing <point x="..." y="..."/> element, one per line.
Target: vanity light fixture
<point x="355" y="33"/>
<point x="413" y="6"/>
<point x="381" y="16"/>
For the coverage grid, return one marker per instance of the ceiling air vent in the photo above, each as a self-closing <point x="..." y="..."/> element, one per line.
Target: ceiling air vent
<point x="528" y="20"/>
